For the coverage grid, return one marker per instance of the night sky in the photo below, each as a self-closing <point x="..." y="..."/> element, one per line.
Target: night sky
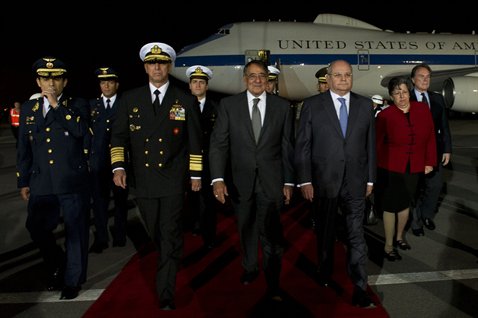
<point x="87" y="37"/>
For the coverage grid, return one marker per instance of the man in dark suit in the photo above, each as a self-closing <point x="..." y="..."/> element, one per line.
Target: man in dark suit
<point x="254" y="130"/>
<point x="205" y="219"/>
<point x="335" y="162"/>
<point x="53" y="175"/>
<point x="102" y="113"/>
<point x="427" y="203"/>
<point x="159" y="124"/>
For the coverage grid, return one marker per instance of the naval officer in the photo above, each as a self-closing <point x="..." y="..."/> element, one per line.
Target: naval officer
<point x="204" y="200"/>
<point x="160" y="124"/>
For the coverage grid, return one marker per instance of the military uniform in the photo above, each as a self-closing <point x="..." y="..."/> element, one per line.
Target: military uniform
<point x="101" y="120"/>
<point x="206" y="218"/>
<point x="165" y="150"/>
<point x="52" y="163"/>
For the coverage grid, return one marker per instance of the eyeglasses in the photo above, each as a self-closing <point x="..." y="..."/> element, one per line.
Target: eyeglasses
<point x="340" y="75"/>
<point x="253" y="76"/>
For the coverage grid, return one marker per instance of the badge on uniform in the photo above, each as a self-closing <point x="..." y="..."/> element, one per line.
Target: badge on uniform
<point x="177" y="112"/>
<point x="30" y="120"/>
<point x="35" y="107"/>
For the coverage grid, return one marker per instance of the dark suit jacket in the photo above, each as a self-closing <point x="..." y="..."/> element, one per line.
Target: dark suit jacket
<point x="401" y="141"/>
<point x="440" y="120"/>
<point x="51" y="157"/>
<point x="208" y="119"/>
<point x="164" y="149"/>
<point x="322" y="155"/>
<point x="233" y="138"/>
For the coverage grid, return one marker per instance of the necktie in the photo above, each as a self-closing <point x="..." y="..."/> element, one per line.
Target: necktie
<point x="156" y="101"/>
<point x="256" y="119"/>
<point x="425" y="100"/>
<point x="343" y="117"/>
<point x="108" y="106"/>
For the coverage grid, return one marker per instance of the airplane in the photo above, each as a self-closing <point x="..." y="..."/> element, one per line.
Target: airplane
<point x="299" y="49"/>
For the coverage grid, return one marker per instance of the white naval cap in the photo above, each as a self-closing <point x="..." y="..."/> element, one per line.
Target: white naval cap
<point x="273" y="72"/>
<point x="199" y="71"/>
<point x="157" y="52"/>
<point x="377" y="99"/>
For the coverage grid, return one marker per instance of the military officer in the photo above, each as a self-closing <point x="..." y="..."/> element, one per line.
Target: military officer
<point x="321" y="76"/>
<point x="53" y="175"/>
<point x="205" y="223"/>
<point x="272" y="80"/>
<point x="102" y="113"/>
<point x="160" y="124"/>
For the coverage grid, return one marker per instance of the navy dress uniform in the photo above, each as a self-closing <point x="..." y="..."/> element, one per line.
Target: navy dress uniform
<point x="163" y="139"/>
<point x="272" y="80"/>
<point x="52" y="170"/>
<point x="102" y="113"/>
<point x="204" y="199"/>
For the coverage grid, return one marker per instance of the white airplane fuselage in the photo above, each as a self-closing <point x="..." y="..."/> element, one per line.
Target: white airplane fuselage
<point x="300" y="49"/>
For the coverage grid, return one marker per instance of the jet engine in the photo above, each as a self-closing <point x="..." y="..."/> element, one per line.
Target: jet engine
<point x="461" y="93"/>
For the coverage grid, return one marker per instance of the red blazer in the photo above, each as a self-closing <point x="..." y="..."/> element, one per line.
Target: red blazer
<point x="400" y="141"/>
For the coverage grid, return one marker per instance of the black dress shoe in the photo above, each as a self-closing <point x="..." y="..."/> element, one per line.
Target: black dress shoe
<point x="418" y="232"/>
<point x="69" y="292"/>
<point x="330" y="283"/>
<point x="249" y="276"/>
<point x="98" y="247"/>
<point x="429" y="224"/>
<point x="167" y="304"/>
<point x="361" y="299"/>
<point x="55" y="281"/>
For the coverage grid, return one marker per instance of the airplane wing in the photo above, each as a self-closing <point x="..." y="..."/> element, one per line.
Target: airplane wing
<point x="453" y="84"/>
<point x="438" y="77"/>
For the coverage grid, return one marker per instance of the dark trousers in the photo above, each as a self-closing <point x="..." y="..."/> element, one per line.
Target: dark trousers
<point x="352" y="212"/>
<point x="258" y="219"/>
<point x="163" y="220"/>
<point x="203" y="206"/>
<point x="101" y="195"/>
<point x="44" y="216"/>
<point x="430" y="187"/>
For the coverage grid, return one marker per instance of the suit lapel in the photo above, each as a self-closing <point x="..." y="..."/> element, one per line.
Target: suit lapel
<point x="330" y="109"/>
<point x="243" y="115"/>
<point x="268" y="119"/>
<point x="353" y="114"/>
<point x="147" y="111"/>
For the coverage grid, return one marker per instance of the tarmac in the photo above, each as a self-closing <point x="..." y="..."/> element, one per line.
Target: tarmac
<point x="438" y="277"/>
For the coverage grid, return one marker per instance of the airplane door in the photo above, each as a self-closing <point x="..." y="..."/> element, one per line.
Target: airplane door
<point x="263" y="55"/>
<point x="363" y="60"/>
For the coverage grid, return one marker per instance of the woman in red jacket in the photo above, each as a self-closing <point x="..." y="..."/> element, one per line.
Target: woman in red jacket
<point x="405" y="150"/>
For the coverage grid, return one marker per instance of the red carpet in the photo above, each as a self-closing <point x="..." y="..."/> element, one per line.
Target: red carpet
<point x="208" y="283"/>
